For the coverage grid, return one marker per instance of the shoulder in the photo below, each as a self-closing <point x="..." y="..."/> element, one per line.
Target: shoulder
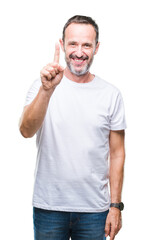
<point x="105" y="84"/>
<point x="35" y="85"/>
<point x="108" y="89"/>
<point x="37" y="82"/>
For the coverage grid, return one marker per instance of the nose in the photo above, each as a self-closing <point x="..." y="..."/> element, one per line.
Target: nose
<point x="79" y="51"/>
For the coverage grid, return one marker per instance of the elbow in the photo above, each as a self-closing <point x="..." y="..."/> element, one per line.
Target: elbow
<point x="24" y="132"/>
<point x="24" y="126"/>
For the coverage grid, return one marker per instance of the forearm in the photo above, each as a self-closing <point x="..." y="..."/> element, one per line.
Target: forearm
<point x="117" y="159"/>
<point x="116" y="177"/>
<point x="33" y="114"/>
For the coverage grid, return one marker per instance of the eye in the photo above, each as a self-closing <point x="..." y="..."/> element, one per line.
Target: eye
<point x="72" y="44"/>
<point x="87" y="45"/>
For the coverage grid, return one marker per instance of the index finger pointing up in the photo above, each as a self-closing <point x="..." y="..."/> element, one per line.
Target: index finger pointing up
<point x="57" y="53"/>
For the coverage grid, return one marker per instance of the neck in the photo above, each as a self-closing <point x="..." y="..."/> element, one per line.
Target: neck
<point x="87" y="77"/>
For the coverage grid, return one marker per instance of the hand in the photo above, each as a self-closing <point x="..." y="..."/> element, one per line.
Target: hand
<point x="52" y="73"/>
<point x="113" y="223"/>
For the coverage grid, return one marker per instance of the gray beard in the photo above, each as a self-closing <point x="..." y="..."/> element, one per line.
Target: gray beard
<point x="81" y="72"/>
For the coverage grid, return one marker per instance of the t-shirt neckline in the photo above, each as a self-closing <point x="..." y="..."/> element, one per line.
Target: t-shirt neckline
<point x="76" y="84"/>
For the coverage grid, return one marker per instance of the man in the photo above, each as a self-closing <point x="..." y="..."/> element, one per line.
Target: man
<point x="78" y="119"/>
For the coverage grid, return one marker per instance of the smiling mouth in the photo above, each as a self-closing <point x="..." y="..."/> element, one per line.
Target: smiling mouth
<point x="78" y="60"/>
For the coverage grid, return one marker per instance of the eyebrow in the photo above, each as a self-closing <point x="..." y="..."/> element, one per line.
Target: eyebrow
<point x="72" y="42"/>
<point x="86" y="43"/>
<point x="89" y="44"/>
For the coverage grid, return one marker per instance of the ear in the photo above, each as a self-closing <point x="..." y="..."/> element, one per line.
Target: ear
<point x="97" y="47"/>
<point x="61" y="44"/>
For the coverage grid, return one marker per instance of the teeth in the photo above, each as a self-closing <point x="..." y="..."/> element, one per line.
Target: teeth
<point x="78" y="60"/>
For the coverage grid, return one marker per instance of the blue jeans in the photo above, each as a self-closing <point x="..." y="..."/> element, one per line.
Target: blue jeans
<point x="59" y="225"/>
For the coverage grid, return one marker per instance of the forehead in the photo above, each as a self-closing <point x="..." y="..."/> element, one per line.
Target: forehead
<point x="80" y="32"/>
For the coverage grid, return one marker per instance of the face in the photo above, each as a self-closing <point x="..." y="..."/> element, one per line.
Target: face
<point x="79" y="47"/>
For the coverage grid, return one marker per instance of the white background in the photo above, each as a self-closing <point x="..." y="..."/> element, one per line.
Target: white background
<point x="29" y="30"/>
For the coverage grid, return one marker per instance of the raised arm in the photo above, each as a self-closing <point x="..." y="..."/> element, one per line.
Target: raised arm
<point x="34" y="113"/>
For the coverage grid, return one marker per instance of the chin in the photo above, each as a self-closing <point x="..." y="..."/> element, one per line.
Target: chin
<point x="78" y="72"/>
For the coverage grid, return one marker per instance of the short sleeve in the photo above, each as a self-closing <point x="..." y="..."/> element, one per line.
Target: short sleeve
<point x="117" y="114"/>
<point x="32" y="92"/>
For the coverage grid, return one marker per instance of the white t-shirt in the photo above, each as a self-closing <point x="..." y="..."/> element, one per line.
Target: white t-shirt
<point x="72" y="170"/>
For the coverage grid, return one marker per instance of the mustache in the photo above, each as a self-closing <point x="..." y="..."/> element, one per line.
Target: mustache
<point x="73" y="56"/>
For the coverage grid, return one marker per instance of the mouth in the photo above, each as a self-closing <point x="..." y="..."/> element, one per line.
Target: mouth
<point x="78" y="61"/>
